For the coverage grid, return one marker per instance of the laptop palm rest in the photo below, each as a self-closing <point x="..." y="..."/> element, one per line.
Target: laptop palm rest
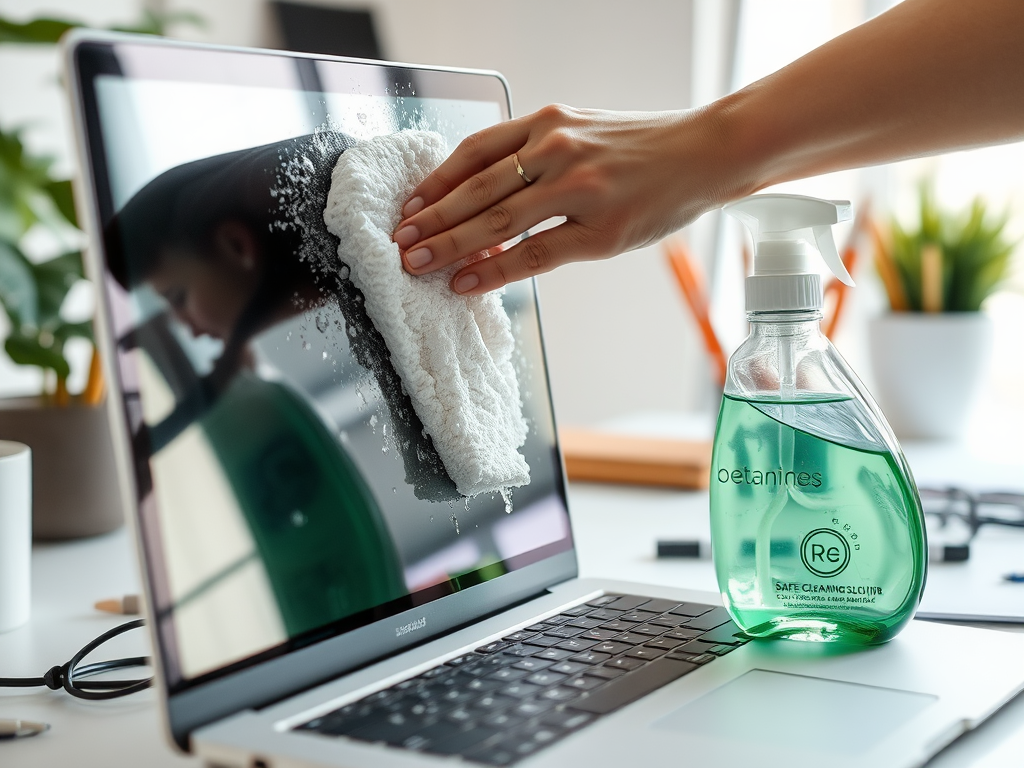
<point x="775" y="709"/>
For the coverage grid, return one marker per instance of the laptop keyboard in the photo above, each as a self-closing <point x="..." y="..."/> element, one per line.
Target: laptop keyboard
<point x="511" y="698"/>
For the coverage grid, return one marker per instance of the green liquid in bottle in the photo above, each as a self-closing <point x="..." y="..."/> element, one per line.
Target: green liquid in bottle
<point x="816" y="524"/>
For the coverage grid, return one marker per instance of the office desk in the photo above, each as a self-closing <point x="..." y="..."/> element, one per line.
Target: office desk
<point x="615" y="528"/>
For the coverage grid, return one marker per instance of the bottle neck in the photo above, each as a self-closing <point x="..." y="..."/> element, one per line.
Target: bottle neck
<point x="794" y="323"/>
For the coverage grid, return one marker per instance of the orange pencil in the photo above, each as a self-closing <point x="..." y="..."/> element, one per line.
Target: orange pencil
<point x="692" y="287"/>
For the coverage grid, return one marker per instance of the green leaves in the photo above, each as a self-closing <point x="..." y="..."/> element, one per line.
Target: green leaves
<point x="975" y="253"/>
<point x="46" y="31"/>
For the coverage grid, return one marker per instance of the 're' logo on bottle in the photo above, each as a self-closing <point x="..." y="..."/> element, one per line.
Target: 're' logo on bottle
<point x="825" y="552"/>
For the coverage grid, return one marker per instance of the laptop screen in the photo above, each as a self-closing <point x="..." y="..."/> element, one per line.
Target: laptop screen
<point x="288" y="489"/>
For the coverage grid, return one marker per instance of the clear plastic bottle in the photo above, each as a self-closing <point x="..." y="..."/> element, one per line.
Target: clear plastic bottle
<point x="816" y="522"/>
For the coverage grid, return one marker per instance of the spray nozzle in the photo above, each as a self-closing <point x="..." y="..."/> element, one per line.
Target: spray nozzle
<point x="788" y="230"/>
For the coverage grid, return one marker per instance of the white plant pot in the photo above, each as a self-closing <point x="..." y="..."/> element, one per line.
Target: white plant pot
<point x="929" y="369"/>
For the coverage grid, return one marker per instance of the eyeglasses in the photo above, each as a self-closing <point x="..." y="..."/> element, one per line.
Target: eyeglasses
<point x="975" y="509"/>
<point x="70" y="676"/>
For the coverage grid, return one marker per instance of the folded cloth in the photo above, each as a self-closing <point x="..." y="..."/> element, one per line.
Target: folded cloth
<point x="453" y="353"/>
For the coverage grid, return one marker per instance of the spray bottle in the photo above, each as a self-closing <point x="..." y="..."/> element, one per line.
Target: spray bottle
<point x="816" y="522"/>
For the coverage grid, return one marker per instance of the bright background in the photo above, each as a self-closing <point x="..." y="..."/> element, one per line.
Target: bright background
<point x="619" y="337"/>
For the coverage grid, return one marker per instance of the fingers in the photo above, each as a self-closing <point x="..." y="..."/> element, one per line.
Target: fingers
<point x="494" y="225"/>
<point x="472" y="156"/>
<point x="478" y="193"/>
<point x="533" y="256"/>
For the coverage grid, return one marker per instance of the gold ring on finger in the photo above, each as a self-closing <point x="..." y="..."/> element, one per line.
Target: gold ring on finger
<point x="520" y="171"/>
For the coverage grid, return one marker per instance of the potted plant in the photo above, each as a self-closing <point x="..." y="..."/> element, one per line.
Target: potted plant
<point x="930" y="353"/>
<point x="75" y="490"/>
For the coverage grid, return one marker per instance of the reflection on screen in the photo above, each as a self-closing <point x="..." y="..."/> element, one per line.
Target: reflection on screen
<point x="294" y="485"/>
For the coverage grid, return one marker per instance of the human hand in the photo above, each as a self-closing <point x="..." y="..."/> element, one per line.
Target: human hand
<point x="622" y="180"/>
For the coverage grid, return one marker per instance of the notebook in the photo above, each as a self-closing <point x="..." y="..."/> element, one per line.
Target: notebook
<point x="318" y="590"/>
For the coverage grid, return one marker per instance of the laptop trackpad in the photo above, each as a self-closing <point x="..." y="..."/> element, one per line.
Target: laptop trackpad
<point x="778" y="709"/>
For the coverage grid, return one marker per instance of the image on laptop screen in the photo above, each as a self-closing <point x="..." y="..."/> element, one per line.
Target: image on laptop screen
<point x="288" y="488"/>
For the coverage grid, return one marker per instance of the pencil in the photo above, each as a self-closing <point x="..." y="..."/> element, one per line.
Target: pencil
<point x="129" y="605"/>
<point x="888" y="272"/>
<point x="691" y="285"/>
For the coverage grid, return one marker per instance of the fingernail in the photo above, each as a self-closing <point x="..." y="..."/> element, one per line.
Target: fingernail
<point x="413" y="207"/>
<point x="467" y="283"/>
<point x="407" y="236"/>
<point x="418" y="258"/>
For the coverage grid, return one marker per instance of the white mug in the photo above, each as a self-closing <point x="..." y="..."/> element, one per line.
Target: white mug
<point x="15" y="534"/>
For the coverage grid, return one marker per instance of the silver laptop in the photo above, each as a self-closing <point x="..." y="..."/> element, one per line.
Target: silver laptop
<point x="319" y="593"/>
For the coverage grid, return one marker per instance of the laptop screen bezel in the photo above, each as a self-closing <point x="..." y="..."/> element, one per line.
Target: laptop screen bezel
<point x="263" y="679"/>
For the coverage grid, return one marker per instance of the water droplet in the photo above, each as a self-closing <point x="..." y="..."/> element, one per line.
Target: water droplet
<point x="323" y="355"/>
<point x="352" y="331"/>
<point x="506" y="495"/>
<point x="288" y="337"/>
<point x="384" y="429"/>
<point x="361" y="117"/>
<point x="455" y="522"/>
<point x="373" y="423"/>
<point x="298" y="519"/>
<point x="384" y="448"/>
<point x="307" y="346"/>
<point x="431" y="518"/>
<point x="321" y="323"/>
<point x="343" y="436"/>
<point x="344" y="272"/>
<point x="394" y="490"/>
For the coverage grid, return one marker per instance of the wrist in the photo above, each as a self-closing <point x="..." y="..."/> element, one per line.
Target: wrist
<point x="741" y="151"/>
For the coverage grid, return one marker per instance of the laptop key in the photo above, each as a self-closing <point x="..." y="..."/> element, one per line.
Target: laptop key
<point x="630" y="639"/>
<point x="552" y="654"/>
<point x="568" y="667"/>
<point x="533" y="708"/>
<point x="611" y="647"/>
<point x="627" y="603"/>
<point x="492" y="703"/>
<point x="545" y="677"/>
<point x="508" y="674"/>
<point x="564" y="632"/>
<point x="503" y="720"/>
<point x="629" y="688"/>
<point x="696" y="647"/>
<point x="585" y="622"/>
<point x="691" y="609"/>
<point x="585" y="682"/>
<point x="604" y="600"/>
<point x="520" y="690"/>
<point x="394" y="729"/>
<point x="599" y="634"/>
<point x="532" y="664"/>
<point x="713" y="618"/>
<point x="701" y="658"/>
<point x="519" y="650"/>
<point x="458" y="661"/>
<point x="624" y="662"/>
<point x="640" y="617"/>
<point x="576" y="644"/>
<point x="605" y="673"/>
<point x="579" y="610"/>
<point x="665" y="643"/>
<point x="682" y="633"/>
<point x="539" y="627"/>
<point x="726" y="633"/>
<point x="591" y="657"/>
<point x="618" y="625"/>
<point x="518" y="637"/>
<point x="668" y="620"/>
<point x="643" y="652"/>
<point x="648" y="629"/>
<point x="657" y="605"/>
<point x="497" y="645"/>
<point x="559" y="694"/>
<point x="604" y="614"/>
<point x="543" y="641"/>
<point x="567" y="719"/>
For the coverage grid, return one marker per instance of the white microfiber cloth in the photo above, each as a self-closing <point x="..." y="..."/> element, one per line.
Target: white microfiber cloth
<point x="453" y="353"/>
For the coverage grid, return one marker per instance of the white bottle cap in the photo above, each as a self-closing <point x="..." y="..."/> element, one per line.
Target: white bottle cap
<point x="789" y="231"/>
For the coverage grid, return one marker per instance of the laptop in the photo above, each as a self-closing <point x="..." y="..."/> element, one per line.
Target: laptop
<point x="318" y="592"/>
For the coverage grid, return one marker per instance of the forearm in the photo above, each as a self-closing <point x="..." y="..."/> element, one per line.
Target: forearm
<point x="927" y="76"/>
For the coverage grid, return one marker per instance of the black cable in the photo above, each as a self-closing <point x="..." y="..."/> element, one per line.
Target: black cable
<point x="69" y="676"/>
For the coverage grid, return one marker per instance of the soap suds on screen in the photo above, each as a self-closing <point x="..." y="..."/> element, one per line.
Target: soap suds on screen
<point x="452" y="353"/>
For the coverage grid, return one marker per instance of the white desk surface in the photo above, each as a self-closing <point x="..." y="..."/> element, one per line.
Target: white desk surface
<point x="616" y="529"/>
